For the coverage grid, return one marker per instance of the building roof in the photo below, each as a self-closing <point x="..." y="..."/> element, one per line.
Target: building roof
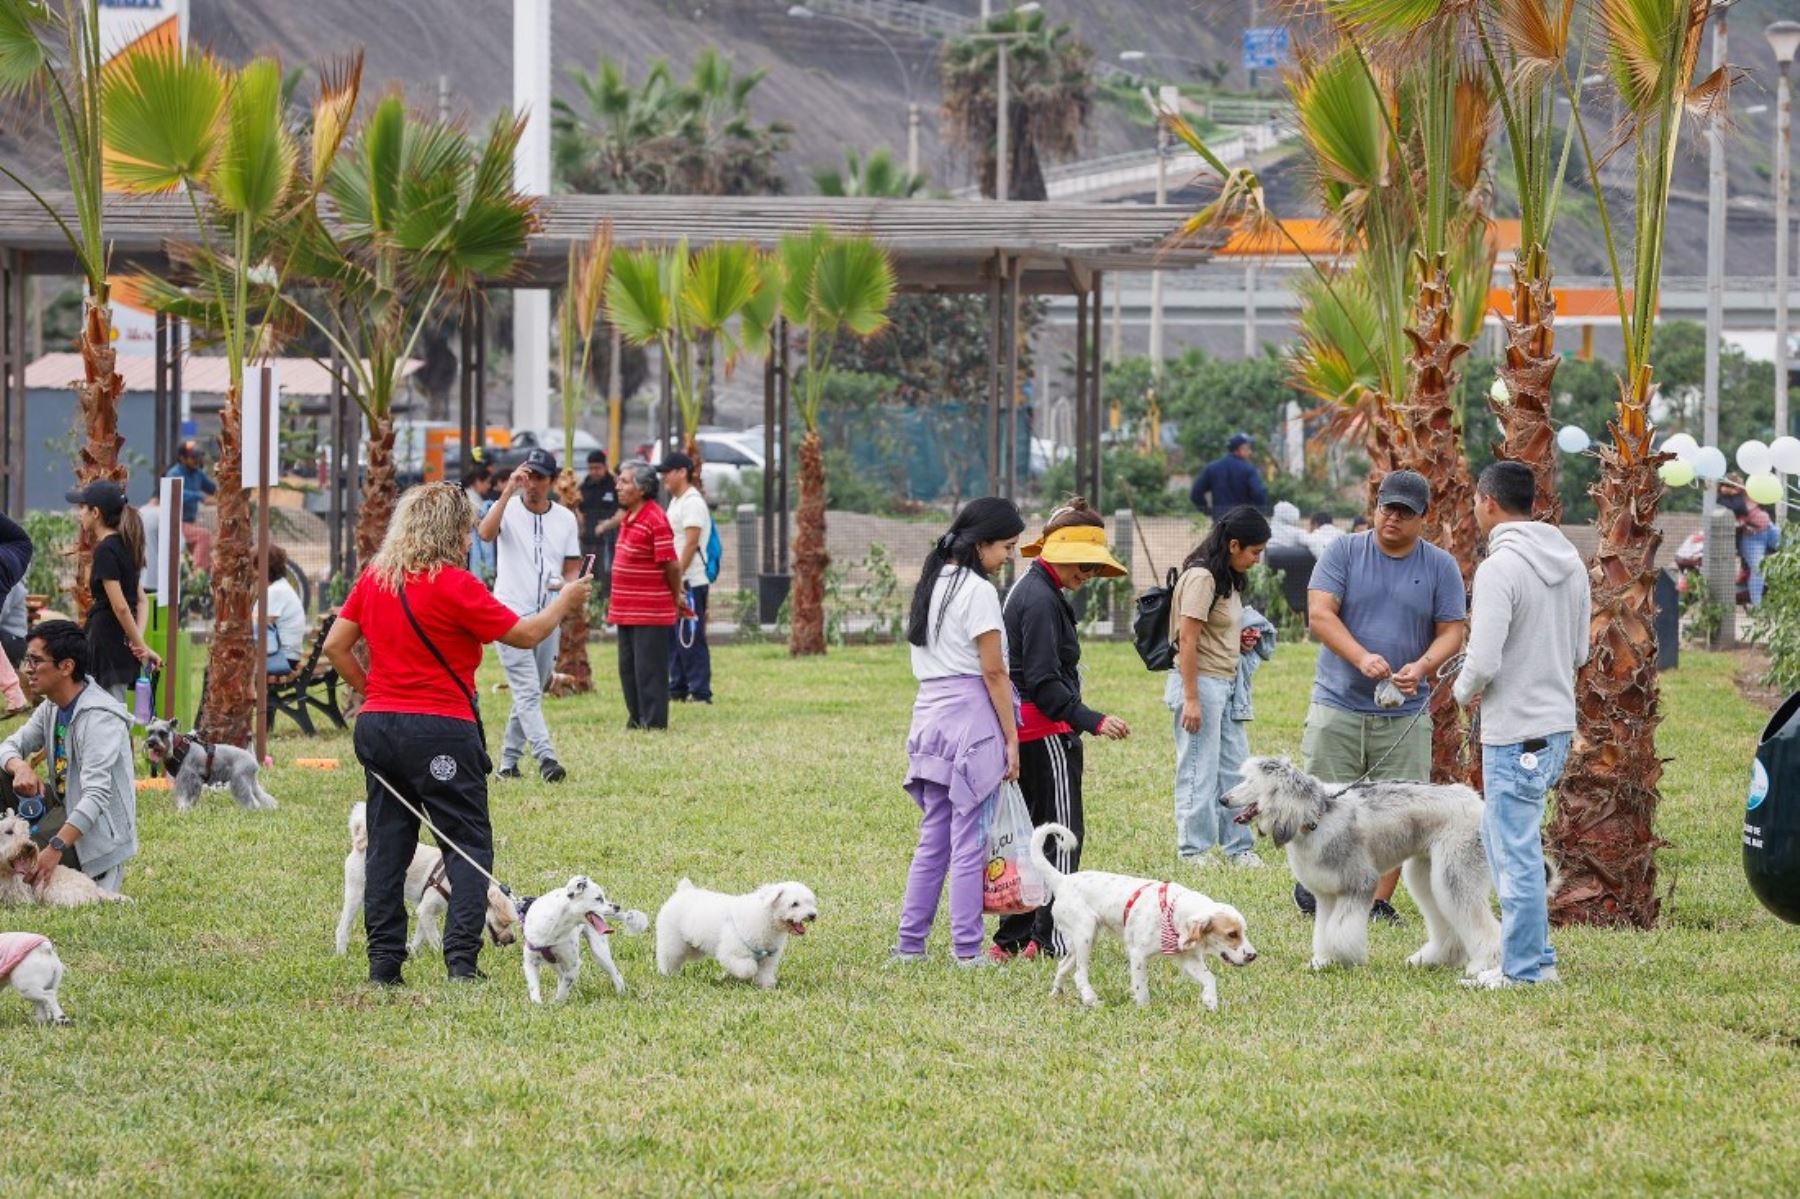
<point x="935" y="244"/>
<point x="199" y="375"/>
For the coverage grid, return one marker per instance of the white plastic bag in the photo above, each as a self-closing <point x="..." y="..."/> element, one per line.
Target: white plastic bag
<point x="1011" y="884"/>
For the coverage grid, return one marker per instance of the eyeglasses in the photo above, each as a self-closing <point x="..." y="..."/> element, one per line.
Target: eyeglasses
<point x="33" y="661"/>
<point x="1400" y="512"/>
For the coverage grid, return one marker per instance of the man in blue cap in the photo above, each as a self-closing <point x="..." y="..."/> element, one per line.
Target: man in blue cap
<point x="1230" y="481"/>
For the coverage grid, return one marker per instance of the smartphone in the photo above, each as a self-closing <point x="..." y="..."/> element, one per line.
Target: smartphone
<point x="587" y="567"/>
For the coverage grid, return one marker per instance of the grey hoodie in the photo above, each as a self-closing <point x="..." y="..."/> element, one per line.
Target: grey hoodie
<point x="1528" y="633"/>
<point x="102" y="799"/>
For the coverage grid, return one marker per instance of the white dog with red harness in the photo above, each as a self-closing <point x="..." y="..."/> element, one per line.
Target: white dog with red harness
<point x="1155" y="919"/>
<point x="427" y="888"/>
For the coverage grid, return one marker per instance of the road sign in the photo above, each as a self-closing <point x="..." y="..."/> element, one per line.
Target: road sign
<point x="1265" y="48"/>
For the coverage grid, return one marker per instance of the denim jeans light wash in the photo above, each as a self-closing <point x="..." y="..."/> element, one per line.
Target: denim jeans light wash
<point x="1207" y="765"/>
<point x="1512" y="820"/>
<point x="527" y="674"/>
<point x="1755" y="547"/>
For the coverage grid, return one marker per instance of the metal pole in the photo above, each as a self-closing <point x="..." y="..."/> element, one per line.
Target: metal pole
<point x="1093" y="487"/>
<point x="1784" y="120"/>
<point x="1250" y="338"/>
<point x="338" y="488"/>
<point x="1082" y="367"/>
<point x="1715" y="283"/>
<point x="615" y="395"/>
<point x="266" y="409"/>
<point x="1118" y="322"/>
<point x="1002" y="135"/>
<point x="1156" y="279"/>
<point x="912" y="139"/>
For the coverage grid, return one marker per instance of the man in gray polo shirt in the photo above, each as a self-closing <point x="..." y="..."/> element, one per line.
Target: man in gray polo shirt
<point x="1386" y="604"/>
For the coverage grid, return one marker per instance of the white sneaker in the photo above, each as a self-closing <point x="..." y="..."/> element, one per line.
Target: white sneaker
<point x="979" y="962"/>
<point x="1492" y="980"/>
<point x="1549" y="975"/>
<point x="898" y="958"/>
<point x="1248" y="860"/>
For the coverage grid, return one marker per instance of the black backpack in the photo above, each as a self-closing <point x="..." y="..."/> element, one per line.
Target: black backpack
<point x="1150" y="627"/>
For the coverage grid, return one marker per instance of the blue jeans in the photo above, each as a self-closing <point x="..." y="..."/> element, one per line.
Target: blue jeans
<point x="1755" y="547"/>
<point x="1207" y="765"/>
<point x="690" y="666"/>
<point x="1512" y="821"/>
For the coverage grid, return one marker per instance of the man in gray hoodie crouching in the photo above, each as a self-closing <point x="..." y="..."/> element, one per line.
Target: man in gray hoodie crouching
<point x="1528" y="635"/>
<point x="85" y="735"/>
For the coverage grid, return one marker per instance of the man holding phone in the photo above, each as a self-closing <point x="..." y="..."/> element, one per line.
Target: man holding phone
<point x="538" y="543"/>
<point x="1528" y="636"/>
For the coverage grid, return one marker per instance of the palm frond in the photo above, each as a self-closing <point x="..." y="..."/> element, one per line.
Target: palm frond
<point x="26" y="27"/>
<point x="635" y="300"/>
<point x="161" y="112"/>
<point x="340" y="84"/>
<point x="257" y="155"/>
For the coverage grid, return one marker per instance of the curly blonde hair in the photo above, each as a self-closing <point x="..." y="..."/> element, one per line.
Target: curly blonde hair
<point x="428" y="532"/>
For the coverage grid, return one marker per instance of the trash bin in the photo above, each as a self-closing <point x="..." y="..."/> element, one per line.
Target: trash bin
<point x="1772" y="815"/>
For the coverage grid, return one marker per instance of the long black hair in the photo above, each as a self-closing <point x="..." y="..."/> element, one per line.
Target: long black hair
<point x="1244" y="525"/>
<point x="980" y="521"/>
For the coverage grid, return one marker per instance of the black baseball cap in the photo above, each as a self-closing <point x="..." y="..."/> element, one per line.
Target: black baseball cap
<point x="596" y="457"/>
<point x="675" y="460"/>
<point x="1238" y="439"/>
<point x="1407" y="488"/>
<point x="108" y="497"/>
<point x="540" y="462"/>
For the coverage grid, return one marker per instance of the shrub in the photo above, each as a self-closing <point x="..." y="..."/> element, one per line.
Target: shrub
<point x="1777" y="622"/>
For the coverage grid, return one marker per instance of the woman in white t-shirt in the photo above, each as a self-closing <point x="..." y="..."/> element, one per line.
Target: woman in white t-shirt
<point x="964" y="739"/>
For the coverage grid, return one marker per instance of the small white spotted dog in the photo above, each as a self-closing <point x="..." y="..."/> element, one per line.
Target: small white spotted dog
<point x="557" y="923"/>
<point x="1152" y="918"/>
<point x="745" y="934"/>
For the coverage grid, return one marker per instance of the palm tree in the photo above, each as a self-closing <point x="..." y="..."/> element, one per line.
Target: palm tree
<point x="1523" y="51"/>
<point x="54" y="56"/>
<point x="721" y="150"/>
<point x="422" y="214"/>
<point x="830" y="285"/>
<point x="177" y="121"/>
<point x="576" y="317"/>
<point x="873" y="174"/>
<point x="679" y="301"/>
<point x="1603" y="830"/>
<point x="1052" y="91"/>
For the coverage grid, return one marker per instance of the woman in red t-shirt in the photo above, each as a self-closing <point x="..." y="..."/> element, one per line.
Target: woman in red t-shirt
<point x="646" y="598"/>
<point x="425" y="619"/>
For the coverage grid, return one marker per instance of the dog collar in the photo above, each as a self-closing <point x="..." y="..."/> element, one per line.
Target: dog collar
<point x="1168" y="940"/>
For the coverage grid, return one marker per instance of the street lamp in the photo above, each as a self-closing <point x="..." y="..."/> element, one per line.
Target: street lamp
<point x="803" y="13"/>
<point x="1003" y="92"/>
<point x="1784" y="39"/>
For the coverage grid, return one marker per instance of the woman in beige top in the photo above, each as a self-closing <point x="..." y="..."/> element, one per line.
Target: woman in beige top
<point x="1210" y="749"/>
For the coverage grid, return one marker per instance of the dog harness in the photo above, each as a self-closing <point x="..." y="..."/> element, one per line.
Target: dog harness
<point x="755" y="953"/>
<point x="435" y="880"/>
<point x="179" y="752"/>
<point x="1168" y="940"/>
<point x="15" y="948"/>
<point x="548" y="952"/>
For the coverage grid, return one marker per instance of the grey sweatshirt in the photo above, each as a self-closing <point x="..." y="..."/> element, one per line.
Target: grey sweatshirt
<point x="1528" y="633"/>
<point x="102" y="797"/>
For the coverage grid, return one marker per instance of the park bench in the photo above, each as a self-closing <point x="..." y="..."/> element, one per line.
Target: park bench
<point x="313" y="685"/>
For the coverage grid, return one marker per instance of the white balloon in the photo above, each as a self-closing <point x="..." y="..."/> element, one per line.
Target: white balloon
<point x="1709" y="463"/>
<point x="1785" y="453"/>
<point x="1682" y="445"/>
<point x="1572" y="439"/>
<point x="1753" y="457"/>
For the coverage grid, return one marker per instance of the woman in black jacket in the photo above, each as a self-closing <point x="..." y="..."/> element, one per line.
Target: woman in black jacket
<point x="1044" y="657"/>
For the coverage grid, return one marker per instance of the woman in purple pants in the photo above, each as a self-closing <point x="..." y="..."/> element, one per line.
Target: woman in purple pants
<point x="964" y="738"/>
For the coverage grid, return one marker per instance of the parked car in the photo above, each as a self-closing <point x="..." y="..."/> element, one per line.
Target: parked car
<point x="724" y="457"/>
<point x="551" y="438"/>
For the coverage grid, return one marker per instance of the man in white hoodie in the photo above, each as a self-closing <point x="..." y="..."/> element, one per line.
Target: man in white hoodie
<point x="1528" y="636"/>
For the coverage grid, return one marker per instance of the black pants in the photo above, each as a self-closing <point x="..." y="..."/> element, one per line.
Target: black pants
<point x="1050" y="777"/>
<point x="644" y="675"/>
<point x="690" y="666"/>
<point x="440" y="766"/>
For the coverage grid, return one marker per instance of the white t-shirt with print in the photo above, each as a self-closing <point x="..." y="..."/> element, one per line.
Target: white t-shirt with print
<point x="973" y="608"/>
<point x="689" y="511"/>
<point x="529" y="554"/>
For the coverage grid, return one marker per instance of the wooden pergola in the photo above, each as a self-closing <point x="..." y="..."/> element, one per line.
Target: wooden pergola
<point x="1007" y="250"/>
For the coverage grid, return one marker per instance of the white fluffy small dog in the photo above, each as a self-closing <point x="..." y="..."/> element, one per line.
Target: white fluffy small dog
<point x="427" y="888"/>
<point x="557" y="923"/>
<point x="745" y="934"/>
<point x="1153" y="918"/>
<point x="18" y="858"/>
<point x="28" y="963"/>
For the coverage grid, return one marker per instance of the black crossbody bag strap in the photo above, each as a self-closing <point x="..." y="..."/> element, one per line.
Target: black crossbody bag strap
<point x="474" y="704"/>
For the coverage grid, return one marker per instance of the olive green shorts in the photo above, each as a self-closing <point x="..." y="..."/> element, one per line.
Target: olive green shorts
<point x="1339" y="746"/>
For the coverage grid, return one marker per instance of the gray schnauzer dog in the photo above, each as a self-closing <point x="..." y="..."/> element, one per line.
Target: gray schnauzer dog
<point x="193" y="764"/>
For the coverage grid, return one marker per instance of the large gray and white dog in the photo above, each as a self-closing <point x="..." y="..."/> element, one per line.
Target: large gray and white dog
<point x="1339" y="844"/>
<point x="192" y="764"/>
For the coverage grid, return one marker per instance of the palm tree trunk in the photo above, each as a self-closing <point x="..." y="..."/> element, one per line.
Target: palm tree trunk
<point x="380" y="490"/>
<point x="234" y="664"/>
<point x="1431" y="443"/>
<point x="1528" y="371"/>
<point x="1602" y="833"/>
<point x="810" y="556"/>
<point x="692" y="450"/>
<point x="97" y="397"/>
<point x="572" y="650"/>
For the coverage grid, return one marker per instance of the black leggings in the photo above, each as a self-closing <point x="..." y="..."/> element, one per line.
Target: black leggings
<point x="1050" y="777"/>
<point x="644" y="675"/>
<point x="439" y="764"/>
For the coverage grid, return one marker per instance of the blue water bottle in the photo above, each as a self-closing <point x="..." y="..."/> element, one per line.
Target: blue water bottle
<point x="143" y="710"/>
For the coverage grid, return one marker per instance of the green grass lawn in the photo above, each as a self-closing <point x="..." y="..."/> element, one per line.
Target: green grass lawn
<point x="219" y="1046"/>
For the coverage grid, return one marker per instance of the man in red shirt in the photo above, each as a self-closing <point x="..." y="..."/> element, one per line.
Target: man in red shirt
<point x="646" y="598"/>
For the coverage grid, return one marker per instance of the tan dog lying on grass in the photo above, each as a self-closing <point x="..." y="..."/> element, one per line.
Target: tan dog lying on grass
<point x="18" y="861"/>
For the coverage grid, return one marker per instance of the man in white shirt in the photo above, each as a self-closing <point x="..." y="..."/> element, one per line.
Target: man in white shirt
<point x="690" y="663"/>
<point x="538" y="547"/>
